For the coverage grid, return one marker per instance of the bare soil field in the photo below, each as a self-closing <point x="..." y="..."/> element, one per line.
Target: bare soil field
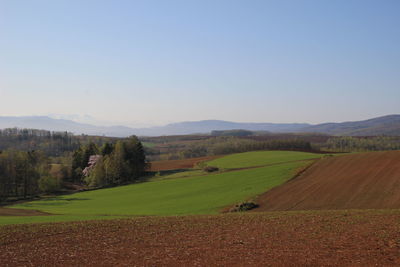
<point x="166" y="165"/>
<point x="334" y="238"/>
<point x="356" y="181"/>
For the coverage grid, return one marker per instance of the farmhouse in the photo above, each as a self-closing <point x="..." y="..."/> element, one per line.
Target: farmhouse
<point x="91" y="164"/>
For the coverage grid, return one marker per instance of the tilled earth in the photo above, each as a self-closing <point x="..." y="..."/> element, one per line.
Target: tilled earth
<point x="328" y="238"/>
<point x="354" y="181"/>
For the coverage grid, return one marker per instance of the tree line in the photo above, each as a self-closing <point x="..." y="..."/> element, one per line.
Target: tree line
<point x="360" y="144"/>
<point x="223" y="145"/>
<point x="53" y="144"/>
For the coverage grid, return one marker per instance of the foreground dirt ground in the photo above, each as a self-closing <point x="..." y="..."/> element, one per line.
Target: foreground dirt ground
<point x="335" y="238"/>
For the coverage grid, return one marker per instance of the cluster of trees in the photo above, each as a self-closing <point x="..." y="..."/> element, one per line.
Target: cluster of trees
<point x="25" y="174"/>
<point x="52" y="143"/>
<point x="119" y="163"/>
<point x="350" y="144"/>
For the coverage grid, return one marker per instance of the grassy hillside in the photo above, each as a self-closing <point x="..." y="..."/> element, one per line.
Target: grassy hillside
<point x="260" y="158"/>
<point x="206" y="194"/>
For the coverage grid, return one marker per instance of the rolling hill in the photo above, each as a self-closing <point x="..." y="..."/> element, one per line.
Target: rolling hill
<point x="200" y="193"/>
<point x="386" y="125"/>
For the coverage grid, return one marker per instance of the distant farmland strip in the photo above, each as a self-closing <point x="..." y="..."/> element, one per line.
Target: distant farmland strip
<point x="260" y="158"/>
<point x="166" y="165"/>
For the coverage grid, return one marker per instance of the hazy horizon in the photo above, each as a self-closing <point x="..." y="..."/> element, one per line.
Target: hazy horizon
<point x="150" y="63"/>
<point x="86" y="119"/>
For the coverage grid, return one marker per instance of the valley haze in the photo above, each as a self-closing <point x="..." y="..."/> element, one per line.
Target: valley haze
<point x="385" y="125"/>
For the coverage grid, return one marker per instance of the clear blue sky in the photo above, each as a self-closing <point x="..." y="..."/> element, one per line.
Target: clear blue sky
<point x="154" y="62"/>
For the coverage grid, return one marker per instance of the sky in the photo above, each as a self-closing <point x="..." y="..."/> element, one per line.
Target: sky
<point x="151" y="62"/>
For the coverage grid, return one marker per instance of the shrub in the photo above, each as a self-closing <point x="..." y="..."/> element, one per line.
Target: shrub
<point x="210" y="169"/>
<point x="244" y="206"/>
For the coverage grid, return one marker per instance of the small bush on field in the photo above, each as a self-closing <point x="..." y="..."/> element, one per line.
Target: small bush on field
<point x="244" y="206"/>
<point x="210" y="169"/>
<point x="49" y="184"/>
<point x="201" y="165"/>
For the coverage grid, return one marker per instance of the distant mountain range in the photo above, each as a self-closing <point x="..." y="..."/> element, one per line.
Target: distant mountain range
<point x="387" y="125"/>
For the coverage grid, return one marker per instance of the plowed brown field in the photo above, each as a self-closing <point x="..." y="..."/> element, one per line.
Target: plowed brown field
<point x="357" y="181"/>
<point x="166" y="165"/>
<point x="335" y="238"/>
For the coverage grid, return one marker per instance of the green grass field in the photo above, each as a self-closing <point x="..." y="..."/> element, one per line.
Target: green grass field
<point x="148" y="144"/>
<point x="260" y="158"/>
<point x="205" y="194"/>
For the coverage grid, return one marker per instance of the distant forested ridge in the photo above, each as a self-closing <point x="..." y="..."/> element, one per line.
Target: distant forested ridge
<point x="387" y="125"/>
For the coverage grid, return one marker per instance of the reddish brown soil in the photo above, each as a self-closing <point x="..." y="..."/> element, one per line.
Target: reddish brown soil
<point x="20" y="212"/>
<point x="357" y="181"/>
<point x="357" y="238"/>
<point x="166" y="165"/>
